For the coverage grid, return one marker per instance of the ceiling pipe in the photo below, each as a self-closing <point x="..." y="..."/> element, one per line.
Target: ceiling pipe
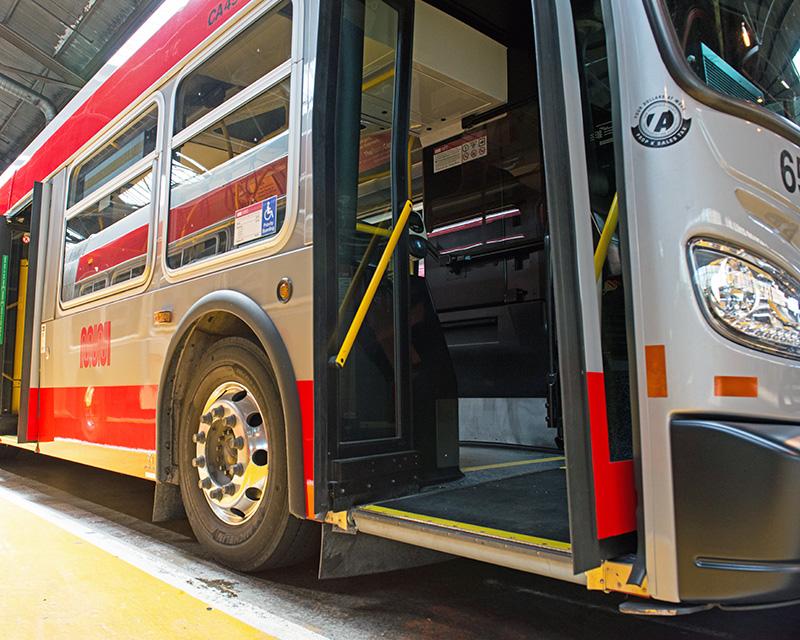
<point x="28" y="95"/>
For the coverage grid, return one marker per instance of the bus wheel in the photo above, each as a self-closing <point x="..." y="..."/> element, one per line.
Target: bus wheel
<point x="233" y="461"/>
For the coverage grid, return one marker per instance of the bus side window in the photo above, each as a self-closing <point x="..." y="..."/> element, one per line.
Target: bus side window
<point x="135" y="142"/>
<point x="235" y="168"/>
<point x="105" y="233"/>
<point x="107" y="222"/>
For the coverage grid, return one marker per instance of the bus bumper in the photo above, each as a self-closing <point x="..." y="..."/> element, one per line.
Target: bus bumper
<point x="737" y="509"/>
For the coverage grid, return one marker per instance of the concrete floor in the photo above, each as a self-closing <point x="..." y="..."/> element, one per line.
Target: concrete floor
<point x="80" y="539"/>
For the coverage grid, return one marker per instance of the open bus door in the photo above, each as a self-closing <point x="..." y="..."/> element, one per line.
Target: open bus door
<point x="388" y="398"/>
<point x="27" y="279"/>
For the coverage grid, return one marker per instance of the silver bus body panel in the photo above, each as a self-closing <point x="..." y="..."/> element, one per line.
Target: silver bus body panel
<point x="138" y="345"/>
<point x="674" y="194"/>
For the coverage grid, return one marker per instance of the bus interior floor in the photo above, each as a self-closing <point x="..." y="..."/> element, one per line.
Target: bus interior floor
<point x="525" y="496"/>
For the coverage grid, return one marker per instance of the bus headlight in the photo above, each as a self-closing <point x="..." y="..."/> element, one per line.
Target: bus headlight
<point x="747" y="298"/>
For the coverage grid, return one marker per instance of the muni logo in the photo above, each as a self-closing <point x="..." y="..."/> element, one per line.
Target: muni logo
<point x="96" y="345"/>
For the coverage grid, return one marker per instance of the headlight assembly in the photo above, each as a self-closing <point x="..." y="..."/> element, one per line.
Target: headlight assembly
<point x="746" y="297"/>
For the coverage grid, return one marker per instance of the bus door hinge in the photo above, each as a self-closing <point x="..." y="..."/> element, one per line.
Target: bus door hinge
<point x="341" y="521"/>
<point x="614" y="576"/>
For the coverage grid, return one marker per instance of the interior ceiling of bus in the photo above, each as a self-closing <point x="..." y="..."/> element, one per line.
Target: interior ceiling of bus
<point x="48" y="50"/>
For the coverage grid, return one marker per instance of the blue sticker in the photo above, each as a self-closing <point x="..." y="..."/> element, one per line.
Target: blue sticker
<point x="269" y="216"/>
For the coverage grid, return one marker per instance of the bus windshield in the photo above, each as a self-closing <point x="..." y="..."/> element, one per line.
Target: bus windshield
<point x="748" y="49"/>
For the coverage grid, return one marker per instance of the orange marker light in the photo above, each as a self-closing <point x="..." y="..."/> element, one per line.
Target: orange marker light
<point x="284" y="290"/>
<point x="655" y="357"/>
<point x="162" y="317"/>
<point x="736" y="386"/>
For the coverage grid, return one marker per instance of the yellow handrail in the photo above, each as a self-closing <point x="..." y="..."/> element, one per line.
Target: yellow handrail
<point x="373" y="229"/>
<point x="601" y="252"/>
<point x="372" y="288"/>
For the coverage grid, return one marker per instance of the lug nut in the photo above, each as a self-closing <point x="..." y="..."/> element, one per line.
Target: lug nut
<point x="230" y="421"/>
<point x="199" y="461"/>
<point x="215" y="494"/>
<point x="237" y="469"/>
<point x="207" y="418"/>
<point x="199" y="437"/>
<point x="239" y="442"/>
<point x="217" y="411"/>
<point x="205" y="483"/>
<point x="230" y="489"/>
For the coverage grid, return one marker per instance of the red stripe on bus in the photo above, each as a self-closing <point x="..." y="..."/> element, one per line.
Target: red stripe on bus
<point x="162" y="51"/>
<point x="132" y="245"/>
<point x="305" y="389"/>
<point x="125" y="416"/>
<point x="614" y="486"/>
<point x="120" y="416"/>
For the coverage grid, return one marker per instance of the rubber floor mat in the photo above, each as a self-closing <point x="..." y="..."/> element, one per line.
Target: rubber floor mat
<point x="533" y="504"/>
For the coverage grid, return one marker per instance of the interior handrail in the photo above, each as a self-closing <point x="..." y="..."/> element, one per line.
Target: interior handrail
<point x="601" y="252"/>
<point x="373" y="229"/>
<point x="372" y="288"/>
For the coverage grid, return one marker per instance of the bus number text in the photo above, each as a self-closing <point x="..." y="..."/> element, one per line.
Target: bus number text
<point x="790" y="171"/>
<point x="217" y="12"/>
<point x="96" y="345"/>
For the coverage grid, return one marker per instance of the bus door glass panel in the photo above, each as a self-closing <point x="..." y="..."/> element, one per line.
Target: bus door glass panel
<point x="15" y="281"/>
<point x="32" y="341"/>
<point x="366" y="390"/>
<point x="228" y="183"/>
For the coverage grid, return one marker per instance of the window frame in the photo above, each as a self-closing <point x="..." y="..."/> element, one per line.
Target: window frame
<point x="672" y="56"/>
<point x="151" y="162"/>
<point x="289" y="69"/>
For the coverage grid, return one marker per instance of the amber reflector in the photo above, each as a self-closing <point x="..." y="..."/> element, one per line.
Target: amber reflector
<point x="736" y="386"/>
<point x="162" y="317"/>
<point x="656" y="363"/>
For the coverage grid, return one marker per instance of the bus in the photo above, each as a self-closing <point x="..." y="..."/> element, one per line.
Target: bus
<point x="394" y="281"/>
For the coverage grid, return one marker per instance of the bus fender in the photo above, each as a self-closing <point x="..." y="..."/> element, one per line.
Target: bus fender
<point x="259" y="322"/>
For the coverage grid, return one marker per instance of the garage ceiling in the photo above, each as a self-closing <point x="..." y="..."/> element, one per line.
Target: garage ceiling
<point x="48" y="50"/>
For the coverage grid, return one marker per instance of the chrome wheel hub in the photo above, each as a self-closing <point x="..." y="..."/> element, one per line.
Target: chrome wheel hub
<point x="231" y="456"/>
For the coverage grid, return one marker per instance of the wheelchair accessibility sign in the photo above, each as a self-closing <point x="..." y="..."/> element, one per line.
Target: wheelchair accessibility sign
<point x="259" y="220"/>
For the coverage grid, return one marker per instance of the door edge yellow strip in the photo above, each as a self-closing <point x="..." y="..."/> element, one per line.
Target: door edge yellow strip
<point x="513" y="463"/>
<point x="470" y="528"/>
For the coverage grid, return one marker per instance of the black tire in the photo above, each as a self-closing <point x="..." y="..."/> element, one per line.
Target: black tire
<point x="271" y="537"/>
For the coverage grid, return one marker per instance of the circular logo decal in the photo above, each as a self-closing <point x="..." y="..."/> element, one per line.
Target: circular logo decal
<point x="660" y="122"/>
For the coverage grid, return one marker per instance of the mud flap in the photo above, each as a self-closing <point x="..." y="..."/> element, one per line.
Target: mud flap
<point x="343" y="554"/>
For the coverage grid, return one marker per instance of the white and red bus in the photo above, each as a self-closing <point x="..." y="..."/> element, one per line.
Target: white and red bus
<point x="513" y="281"/>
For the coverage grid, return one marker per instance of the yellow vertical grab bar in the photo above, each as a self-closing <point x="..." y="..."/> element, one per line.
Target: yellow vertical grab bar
<point x="19" y="339"/>
<point x="609" y="228"/>
<point x="372" y="288"/>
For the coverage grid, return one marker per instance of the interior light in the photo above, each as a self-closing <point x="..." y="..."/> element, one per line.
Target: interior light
<point x="785" y="84"/>
<point x="139" y="193"/>
<point x="745" y="35"/>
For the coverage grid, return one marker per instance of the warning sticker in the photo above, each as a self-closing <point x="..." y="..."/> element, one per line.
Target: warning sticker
<point x="258" y="220"/>
<point x="465" y="149"/>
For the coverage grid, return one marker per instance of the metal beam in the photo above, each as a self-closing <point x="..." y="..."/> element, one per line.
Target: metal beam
<point x="36" y="76"/>
<point x="16" y="40"/>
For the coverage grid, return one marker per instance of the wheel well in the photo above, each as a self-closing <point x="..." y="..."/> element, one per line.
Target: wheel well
<point x="200" y="335"/>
